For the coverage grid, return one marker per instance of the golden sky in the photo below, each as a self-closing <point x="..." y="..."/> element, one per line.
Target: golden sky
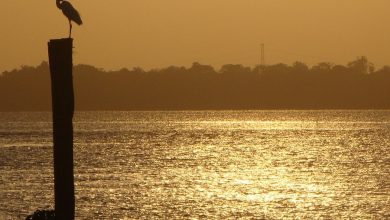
<point x="159" y="33"/>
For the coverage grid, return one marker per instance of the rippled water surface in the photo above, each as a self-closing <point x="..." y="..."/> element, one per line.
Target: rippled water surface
<point x="204" y="165"/>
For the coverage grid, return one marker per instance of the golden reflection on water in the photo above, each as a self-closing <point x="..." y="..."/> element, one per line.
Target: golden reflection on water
<point x="218" y="165"/>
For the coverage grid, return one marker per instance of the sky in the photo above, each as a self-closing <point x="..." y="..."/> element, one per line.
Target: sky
<point x="160" y="33"/>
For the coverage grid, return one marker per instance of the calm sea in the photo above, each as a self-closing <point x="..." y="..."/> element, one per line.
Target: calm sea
<point x="204" y="164"/>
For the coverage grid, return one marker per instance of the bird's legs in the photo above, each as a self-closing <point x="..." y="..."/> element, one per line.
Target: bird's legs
<point x="70" y="28"/>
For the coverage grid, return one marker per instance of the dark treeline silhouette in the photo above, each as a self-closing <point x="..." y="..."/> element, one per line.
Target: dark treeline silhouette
<point x="324" y="86"/>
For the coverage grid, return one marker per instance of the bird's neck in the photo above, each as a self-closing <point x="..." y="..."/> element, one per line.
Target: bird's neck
<point x="58" y="2"/>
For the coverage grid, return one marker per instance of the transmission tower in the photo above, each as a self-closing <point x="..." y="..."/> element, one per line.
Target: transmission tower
<point x="262" y="58"/>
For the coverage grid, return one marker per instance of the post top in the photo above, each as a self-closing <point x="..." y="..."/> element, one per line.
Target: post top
<point x="62" y="40"/>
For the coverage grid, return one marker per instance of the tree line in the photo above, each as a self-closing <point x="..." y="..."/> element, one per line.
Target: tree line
<point x="356" y="85"/>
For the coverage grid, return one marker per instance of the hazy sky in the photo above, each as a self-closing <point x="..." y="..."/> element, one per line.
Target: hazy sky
<point x="158" y="33"/>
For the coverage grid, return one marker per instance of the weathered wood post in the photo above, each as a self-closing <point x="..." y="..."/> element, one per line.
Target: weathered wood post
<point x="61" y="65"/>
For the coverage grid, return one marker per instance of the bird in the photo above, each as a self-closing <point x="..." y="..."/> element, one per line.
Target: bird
<point x="70" y="12"/>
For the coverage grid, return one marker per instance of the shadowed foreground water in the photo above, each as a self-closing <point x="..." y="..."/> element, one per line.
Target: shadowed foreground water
<point x="206" y="164"/>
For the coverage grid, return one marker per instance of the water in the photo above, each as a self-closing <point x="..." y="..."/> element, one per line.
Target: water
<point x="204" y="165"/>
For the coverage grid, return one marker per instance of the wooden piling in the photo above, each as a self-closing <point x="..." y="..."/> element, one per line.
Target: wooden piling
<point x="61" y="65"/>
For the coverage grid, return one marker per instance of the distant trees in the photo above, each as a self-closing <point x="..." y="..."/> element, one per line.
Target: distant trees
<point x="384" y="70"/>
<point x="234" y="86"/>
<point x="279" y="68"/>
<point x="234" y="69"/>
<point x="299" y="67"/>
<point x="198" y="68"/>
<point x="322" y="68"/>
<point x="361" y="65"/>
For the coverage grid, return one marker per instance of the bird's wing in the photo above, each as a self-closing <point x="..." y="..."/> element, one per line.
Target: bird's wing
<point x="71" y="13"/>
